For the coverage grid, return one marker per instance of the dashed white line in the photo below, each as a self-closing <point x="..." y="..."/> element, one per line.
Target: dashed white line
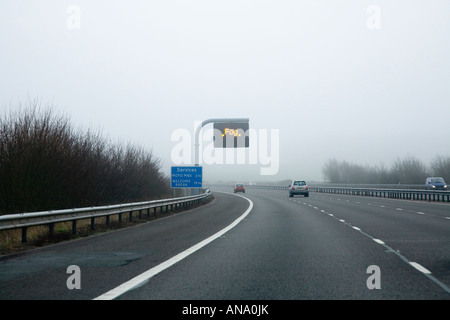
<point x="416" y="265"/>
<point x="378" y="241"/>
<point x="420" y="268"/>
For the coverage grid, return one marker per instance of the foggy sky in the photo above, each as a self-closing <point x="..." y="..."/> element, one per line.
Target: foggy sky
<point x="362" y="81"/>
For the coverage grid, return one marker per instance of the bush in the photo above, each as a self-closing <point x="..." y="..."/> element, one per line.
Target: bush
<point x="408" y="170"/>
<point x="46" y="165"/>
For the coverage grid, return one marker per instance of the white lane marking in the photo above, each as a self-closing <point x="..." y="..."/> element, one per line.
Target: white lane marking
<point x="399" y="209"/>
<point x="378" y="241"/>
<point x="382" y="206"/>
<point x="420" y="268"/>
<point x="419" y="212"/>
<point x="145" y="276"/>
<point x="417" y="266"/>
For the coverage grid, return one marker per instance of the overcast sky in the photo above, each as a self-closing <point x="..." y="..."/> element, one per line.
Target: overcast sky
<point x="363" y="81"/>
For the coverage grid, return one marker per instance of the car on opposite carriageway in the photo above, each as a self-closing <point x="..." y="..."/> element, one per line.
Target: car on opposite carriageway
<point x="435" y="183"/>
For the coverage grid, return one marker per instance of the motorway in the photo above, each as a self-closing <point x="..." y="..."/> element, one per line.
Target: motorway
<point x="261" y="245"/>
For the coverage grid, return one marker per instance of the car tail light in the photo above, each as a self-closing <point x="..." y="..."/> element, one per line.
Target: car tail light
<point x="293" y="188"/>
<point x="306" y="188"/>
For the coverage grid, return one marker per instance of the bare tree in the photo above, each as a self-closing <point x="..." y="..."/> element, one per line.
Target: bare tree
<point x="409" y="170"/>
<point x="440" y="167"/>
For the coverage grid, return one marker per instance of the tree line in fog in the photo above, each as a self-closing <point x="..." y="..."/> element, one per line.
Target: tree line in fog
<point x="407" y="170"/>
<point x="45" y="164"/>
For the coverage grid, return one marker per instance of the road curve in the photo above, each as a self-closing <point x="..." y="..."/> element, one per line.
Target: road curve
<point x="320" y="247"/>
<point x="291" y="249"/>
<point x="111" y="259"/>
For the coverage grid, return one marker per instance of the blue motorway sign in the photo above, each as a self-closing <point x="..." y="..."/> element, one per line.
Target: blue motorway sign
<point x="186" y="177"/>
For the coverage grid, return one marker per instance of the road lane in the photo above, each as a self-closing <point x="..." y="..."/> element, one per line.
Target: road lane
<point x="422" y="238"/>
<point x="288" y="250"/>
<point x="110" y="259"/>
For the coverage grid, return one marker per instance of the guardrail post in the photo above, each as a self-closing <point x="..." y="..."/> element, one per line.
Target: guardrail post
<point x="24" y="234"/>
<point x="51" y="230"/>
<point x="92" y="223"/>
<point x="74" y="227"/>
<point x="130" y="216"/>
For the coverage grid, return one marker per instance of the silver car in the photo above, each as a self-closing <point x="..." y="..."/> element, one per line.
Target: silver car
<point x="298" y="187"/>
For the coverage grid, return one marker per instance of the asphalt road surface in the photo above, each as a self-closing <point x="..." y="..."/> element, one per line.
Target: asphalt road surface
<point x="261" y="245"/>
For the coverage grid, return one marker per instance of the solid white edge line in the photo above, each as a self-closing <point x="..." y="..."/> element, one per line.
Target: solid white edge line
<point x="138" y="280"/>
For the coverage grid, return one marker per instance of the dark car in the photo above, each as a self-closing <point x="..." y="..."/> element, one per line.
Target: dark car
<point x="298" y="187"/>
<point x="239" y="187"/>
<point x="435" y="183"/>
